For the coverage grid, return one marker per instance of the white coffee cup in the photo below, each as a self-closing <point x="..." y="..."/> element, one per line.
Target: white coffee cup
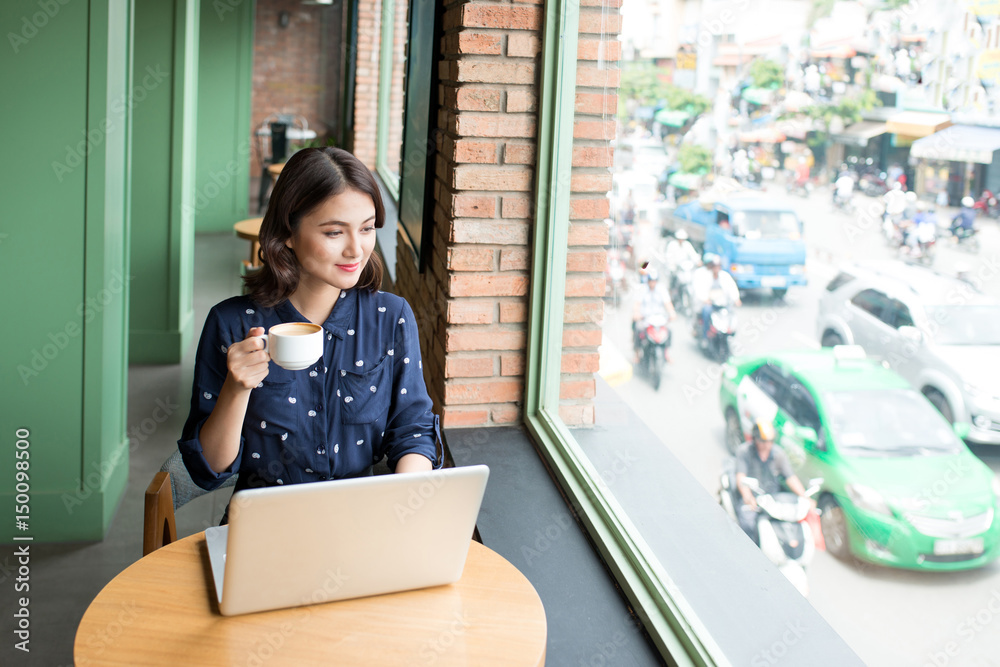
<point x="294" y="345"/>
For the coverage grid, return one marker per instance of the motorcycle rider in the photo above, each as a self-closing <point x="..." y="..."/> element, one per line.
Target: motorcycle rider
<point x="769" y="465"/>
<point x="964" y="222"/>
<point x="924" y="229"/>
<point x="680" y="250"/>
<point x="895" y="206"/>
<point x="843" y="188"/>
<point x="653" y="301"/>
<point x="708" y="281"/>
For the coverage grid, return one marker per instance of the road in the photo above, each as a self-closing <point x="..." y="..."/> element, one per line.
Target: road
<point x="890" y="617"/>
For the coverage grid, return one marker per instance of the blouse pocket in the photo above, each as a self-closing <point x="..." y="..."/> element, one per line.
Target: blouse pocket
<point x="364" y="397"/>
<point x="272" y="409"/>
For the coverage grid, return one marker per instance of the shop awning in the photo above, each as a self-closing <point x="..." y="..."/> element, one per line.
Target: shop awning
<point x="858" y="134"/>
<point x="758" y="96"/>
<point x="960" y="143"/>
<point x="672" y="117"/>
<point x="917" y="123"/>
<point x="767" y="135"/>
<point x="685" y="180"/>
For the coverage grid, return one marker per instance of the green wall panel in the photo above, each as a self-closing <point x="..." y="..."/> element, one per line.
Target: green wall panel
<point x="161" y="245"/>
<point x="62" y="257"/>
<point x="225" y="71"/>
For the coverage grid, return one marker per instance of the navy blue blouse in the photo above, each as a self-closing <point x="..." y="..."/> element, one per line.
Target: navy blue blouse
<point x="365" y="399"/>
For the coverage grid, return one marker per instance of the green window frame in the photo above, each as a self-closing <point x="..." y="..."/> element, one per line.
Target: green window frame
<point x="389" y="174"/>
<point x="668" y="618"/>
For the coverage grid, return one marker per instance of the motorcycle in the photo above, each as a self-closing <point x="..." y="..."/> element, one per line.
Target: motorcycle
<point x="966" y="239"/>
<point x="653" y="338"/>
<point x="873" y="183"/>
<point x="614" y="276"/>
<point x="680" y="288"/>
<point x="803" y="189"/>
<point x="921" y="252"/>
<point x="844" y="204"/>
<point x="783" y="533"/>
<point x="721" y="327"/>
<point x="987" y="204"/>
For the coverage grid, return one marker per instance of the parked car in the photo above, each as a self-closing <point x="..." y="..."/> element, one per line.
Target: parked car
<point x="900" y="488"/>
<point x="936" y="331"/>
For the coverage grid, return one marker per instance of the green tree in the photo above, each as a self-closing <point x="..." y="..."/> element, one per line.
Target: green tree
<point x="694" y="159"/>
<point x="766" y="73"/>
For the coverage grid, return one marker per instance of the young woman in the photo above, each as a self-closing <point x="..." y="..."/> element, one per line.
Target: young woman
<point x="365" y="399"/>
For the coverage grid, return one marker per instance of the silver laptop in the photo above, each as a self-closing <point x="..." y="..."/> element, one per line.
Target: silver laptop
<point x="301" y="544"/>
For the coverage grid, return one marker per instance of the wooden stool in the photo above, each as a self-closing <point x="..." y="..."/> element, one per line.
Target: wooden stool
<point x="249" y="229"/>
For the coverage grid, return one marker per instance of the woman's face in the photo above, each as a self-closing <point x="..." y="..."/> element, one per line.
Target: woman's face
<point x="334" y="241"/>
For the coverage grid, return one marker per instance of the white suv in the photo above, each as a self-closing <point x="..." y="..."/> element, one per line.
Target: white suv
<point x="938" y="332"/>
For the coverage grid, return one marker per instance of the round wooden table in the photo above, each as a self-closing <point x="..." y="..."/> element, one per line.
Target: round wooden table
<point x="162" y="610"/>
<point x="249" y="229"/>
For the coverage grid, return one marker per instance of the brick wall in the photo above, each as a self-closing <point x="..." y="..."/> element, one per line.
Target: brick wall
<point x="471" y="303"/>
<point x="366" y="80"/>
<point x="290" y="71"/>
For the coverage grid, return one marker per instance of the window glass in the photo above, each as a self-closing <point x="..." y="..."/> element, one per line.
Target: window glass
<point x="899" y="314"/>
<point x="871" y="301"/>
<point x="839" y="281"/>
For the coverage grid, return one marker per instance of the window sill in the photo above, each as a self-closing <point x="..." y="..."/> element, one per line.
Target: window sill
<point x="739" y="596"/>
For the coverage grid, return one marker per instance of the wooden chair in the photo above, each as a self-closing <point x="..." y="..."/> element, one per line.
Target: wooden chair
<point x="171" y="488"/>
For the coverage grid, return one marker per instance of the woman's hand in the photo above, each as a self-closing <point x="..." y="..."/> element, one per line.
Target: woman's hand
<point x="247" y="361"/>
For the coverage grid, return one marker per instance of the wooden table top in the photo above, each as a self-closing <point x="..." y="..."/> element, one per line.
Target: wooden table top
<point x="275" y="169"/>
<point x="248" y="229"/>
<point x="162" y="610"/>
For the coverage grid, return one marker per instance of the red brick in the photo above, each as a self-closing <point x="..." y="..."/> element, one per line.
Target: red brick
<point x="467" y="311"/>
<point x="588" y="233"/>
<point x="593" y="156"/>
<point x="452" y="418"/>
<point x="500" y="179"/>
<point x="513" y="311"/>
<point x="490" y="284"/>
<point x="577" y="414"/>
<point x="493" y="125"/>
<point x="598" y="22"/>
<point x="589" y="208"/>
<point x="582" y="261"/>
<point x="457" y="340"/>
<point x="570" y="389"/>
<point x="580" y="362"/>
<point x="467" y="367"/>
<point x="582" y="337"/>
<point x="520" y="100"/>
<point x="492" y="72"/>
<point x="580" y="285"/>
<point x="523" y="45"/>
<point x="516" y="259"/>
<point x="474" y="99"/>
<point x="519" y="153"/>
<point x="594" y="77"/>
<point x="512" y="363"/>
<point x="477" y="42"/>
<point x="516" y="207"/>
<point x="591" y="182"/>
<point x="492" y="231"/>
<point x="593" y="103"/>
<point x="507" y="413"/>
<point x="500" y="16"/>
<point x="471" y="259"/>
<point x="481" y="152"/>
<point x="578" y="310"/>
<point x="597" y="49"/>
<point x="474" y="206"/>
<point x="479" y="392"/>
<point x="594" y="129"/>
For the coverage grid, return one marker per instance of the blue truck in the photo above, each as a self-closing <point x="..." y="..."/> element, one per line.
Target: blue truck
<point x="760" y="242"/>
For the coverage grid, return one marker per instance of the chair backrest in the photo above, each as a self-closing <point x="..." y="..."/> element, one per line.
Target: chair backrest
<point x="170" y="489"/>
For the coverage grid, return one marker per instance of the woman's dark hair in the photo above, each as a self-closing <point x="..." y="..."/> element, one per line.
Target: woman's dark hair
<point x="309" y="178"/>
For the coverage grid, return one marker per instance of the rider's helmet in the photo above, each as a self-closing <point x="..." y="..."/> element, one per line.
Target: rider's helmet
<point x="763" y="430"/>
<point x="711" y="259"/>
<point x="681" y="235"/>
<point x="897" y="186"/>
<point x="968" y="202"/>
<point x="651" y="275"/>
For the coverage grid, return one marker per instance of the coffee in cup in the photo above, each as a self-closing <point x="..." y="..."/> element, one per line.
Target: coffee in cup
<point x="294" y="345"/>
